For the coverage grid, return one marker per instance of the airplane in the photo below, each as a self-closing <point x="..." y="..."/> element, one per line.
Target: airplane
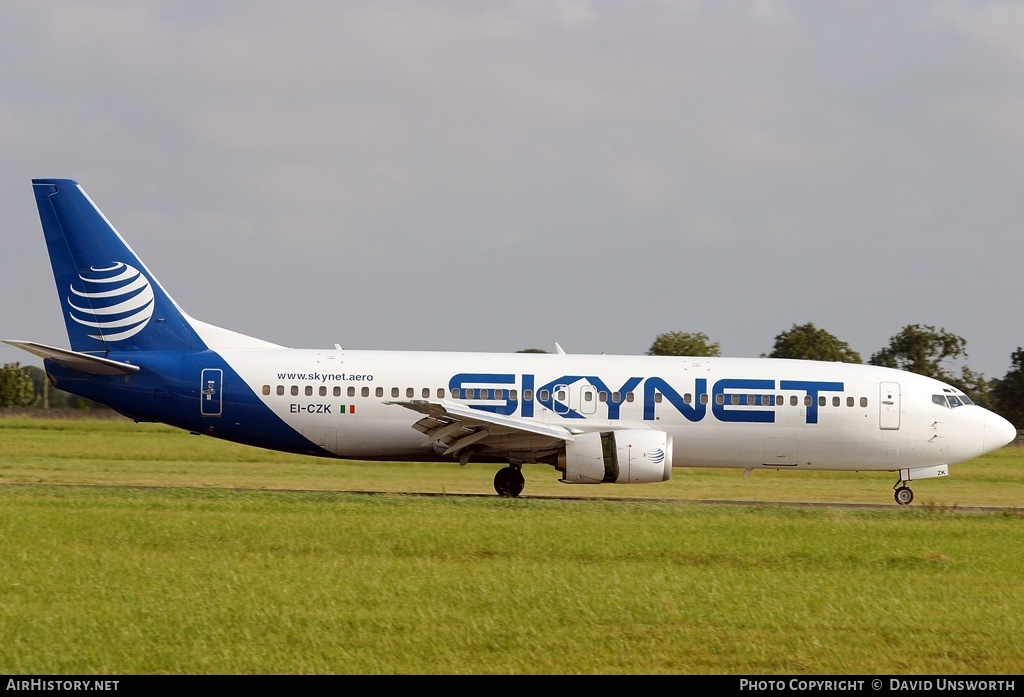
<point x="594" y="418"/>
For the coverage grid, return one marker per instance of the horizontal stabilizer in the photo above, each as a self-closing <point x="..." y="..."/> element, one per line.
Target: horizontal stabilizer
<point x="82" y="362"/>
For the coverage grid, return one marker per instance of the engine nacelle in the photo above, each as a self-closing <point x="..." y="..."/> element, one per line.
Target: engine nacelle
<point x="619" y="457"/>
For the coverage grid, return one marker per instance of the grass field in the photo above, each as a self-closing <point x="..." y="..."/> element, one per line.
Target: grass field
<point x="188" y="555"/>
<point x="122" y="453"/>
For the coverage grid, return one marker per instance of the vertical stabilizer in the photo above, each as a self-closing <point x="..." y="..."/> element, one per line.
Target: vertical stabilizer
<point x="110" y="300"/>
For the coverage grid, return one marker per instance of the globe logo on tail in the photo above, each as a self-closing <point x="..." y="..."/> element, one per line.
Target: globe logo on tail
<point x="117" y="301"/>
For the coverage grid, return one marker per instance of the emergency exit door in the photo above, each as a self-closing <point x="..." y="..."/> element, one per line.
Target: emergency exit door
<point x="211" y="385"/>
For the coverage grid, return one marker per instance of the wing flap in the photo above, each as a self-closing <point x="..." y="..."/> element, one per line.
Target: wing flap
<point x="448" y="411"/>
<point x="458" y="426"/>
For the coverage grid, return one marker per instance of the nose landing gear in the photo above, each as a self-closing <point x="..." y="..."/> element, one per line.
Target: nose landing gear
<point x="902" y="493"/>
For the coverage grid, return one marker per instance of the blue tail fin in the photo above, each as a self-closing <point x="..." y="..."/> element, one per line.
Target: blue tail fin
<point x="110" y="300"/>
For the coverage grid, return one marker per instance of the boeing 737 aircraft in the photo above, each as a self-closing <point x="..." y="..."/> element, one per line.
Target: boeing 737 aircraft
<point x="594" y="418"/>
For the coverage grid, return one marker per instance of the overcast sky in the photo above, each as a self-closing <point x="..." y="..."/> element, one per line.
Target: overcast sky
<point x="493" y="176"/>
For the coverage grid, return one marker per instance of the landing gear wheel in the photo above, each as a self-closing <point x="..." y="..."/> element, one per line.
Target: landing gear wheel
<point x="903" y="495"/>
<point x="509" y="482"/>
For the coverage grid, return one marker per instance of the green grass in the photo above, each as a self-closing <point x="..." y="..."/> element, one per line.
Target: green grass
<point x="235" y="577"/>
<point x="120" y="452"/>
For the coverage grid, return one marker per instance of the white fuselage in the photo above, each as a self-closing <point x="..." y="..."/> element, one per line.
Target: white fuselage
<point x="720" y="412"/>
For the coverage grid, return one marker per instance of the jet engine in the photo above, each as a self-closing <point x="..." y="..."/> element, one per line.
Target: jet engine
<point x="619" y="457"/>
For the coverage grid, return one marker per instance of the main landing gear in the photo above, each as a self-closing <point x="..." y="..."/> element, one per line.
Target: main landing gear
<point x="902" y="493"/>
<point x="509" y="481"/>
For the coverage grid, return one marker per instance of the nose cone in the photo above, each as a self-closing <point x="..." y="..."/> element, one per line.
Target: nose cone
<point x="998" y="432"/>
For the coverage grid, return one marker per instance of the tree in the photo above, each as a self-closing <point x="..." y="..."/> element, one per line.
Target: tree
<point x="808" y="342"/>
<point x="976" y="386"/>
<point x="15" y="386"/>
<point x="921" y="349"/>
<point x="46" y="395"/>
<point x="1008" y="393"/>
<point x="683" y="344"/>
<point x="41" y="387"/>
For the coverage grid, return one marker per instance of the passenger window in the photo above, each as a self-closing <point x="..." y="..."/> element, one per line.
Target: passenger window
<point x="309" y="390"/>
<point x="352" y="391"/>
<point x="560" y="395"/>
<point x="821" y="401"/>
<point x="499" y="394"/>
<point x="687" y="398"/>
<point x="616" y="397"/>
<point x="766" y="400"/>
<point x="792" y="400"/>
<point x="719" y="399"/>
<point x="337" y="390"/>
<point x="440" y="393"/>
<point x="629" y="396"/>
<point x="734" y="398"/>
<point x="380" y="391"/>
<point x="394" y="391"/>
<point x="323" y="390"/>
<point x="704" y="398"/>
<point x="863" y="401"/>
<point x="527" y="395"/>
<point x="588" y="396"/>
<point x="602" y="396"/>
<point x="409" y="393"/>
<point x="295" y="390"/>
<point x="835" y="401"/>
<point x="365" y="392"/>
<point x="808" y="400"/>
<point x="849" y="401"/>
<point x="513" y="395"/>
<point x="455" y="393"/>
<point x="470" y="393"/>
<point x="544" y="395"/>
<point x="426" y="393"/>
<point x="280" y="390"/>
<point x="266" y="389"/>
<point x="657" y="398"/>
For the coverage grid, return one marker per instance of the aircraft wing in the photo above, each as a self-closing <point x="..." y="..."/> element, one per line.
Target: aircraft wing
<point x="82" y="362"/>
<point x="459" y="426"/>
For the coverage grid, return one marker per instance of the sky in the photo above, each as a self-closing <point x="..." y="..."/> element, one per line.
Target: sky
<point x="495" y="176"/>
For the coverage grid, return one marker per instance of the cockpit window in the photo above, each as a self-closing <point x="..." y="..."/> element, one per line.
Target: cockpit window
<point x="951" y="400"/>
